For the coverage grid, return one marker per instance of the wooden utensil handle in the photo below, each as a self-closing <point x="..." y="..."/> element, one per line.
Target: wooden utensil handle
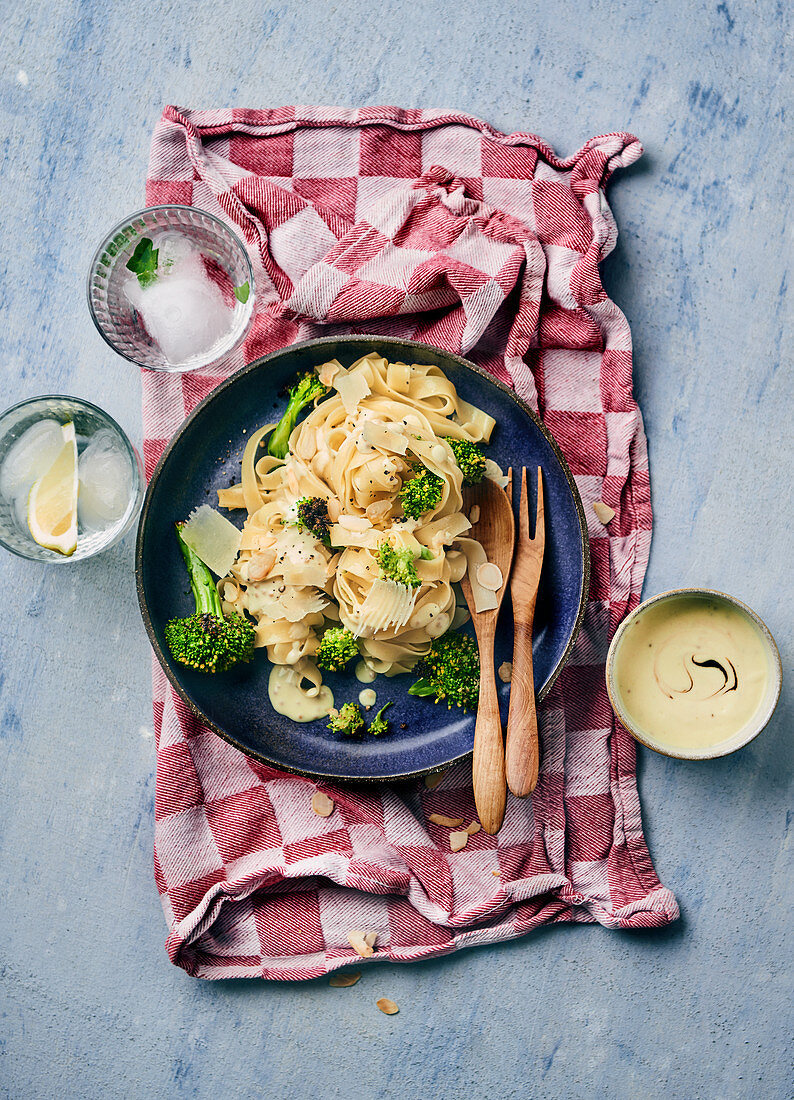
<point x="522" y="759"/>
<point x="488" y="767"/>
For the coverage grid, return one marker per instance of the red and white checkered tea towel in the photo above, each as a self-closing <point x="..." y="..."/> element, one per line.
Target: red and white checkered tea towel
<point x="429" y="225"/>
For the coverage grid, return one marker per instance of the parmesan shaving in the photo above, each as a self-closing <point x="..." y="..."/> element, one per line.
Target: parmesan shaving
<point x="388" y="604"/>
<point x="352" y="388"/>
<point x="213" y="538"/>
<point x="379" y="435"/>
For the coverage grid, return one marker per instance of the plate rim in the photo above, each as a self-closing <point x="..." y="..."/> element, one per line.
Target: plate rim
<point x="256" y="364"/>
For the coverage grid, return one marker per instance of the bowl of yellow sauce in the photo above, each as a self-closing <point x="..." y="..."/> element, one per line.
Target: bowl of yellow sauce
<point x="693" y="674"/>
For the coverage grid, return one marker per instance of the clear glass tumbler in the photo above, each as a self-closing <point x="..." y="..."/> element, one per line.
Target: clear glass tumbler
<point x="88" y="420"/>
<point x="227" y="265"/>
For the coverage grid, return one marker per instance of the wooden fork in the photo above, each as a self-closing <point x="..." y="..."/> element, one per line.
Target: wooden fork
<point x="522" y="753"/>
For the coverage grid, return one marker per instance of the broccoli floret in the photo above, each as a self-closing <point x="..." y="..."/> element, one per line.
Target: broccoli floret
<point x="313" y="516"/>
<point x="337" y="647"/>
<point x="470" y="460"/>
<point x="305" y="389"/>
<point x="450" y="671"/>
<point x="397" y="565"/>
<point x="379" y="724"/>
<point x="348" y="720"/>
<point x="207" y="641"/>
<point x="422" y="493"/>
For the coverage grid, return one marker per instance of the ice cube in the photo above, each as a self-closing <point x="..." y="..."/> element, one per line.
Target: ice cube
<point x="105" y="481"/>
<point x="21" y="510"/>
<point x="175" y="248"/>
<point x="182" y="309"/>
<point x="30" y="457"/>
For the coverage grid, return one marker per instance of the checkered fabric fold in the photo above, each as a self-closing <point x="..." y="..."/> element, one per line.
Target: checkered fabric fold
<point x="429" y="225"/>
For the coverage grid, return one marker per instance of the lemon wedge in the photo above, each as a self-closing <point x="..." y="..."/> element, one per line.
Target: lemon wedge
<point x="52" y="503"/>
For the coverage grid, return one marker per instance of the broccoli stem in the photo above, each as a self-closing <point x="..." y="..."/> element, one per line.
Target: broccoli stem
<point x="202" y="582"/>
<point x="278" y="444"/>
<point x="306" y="389"/>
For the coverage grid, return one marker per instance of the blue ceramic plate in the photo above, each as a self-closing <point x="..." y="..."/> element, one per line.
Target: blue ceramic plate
<point x="205" y="455"/>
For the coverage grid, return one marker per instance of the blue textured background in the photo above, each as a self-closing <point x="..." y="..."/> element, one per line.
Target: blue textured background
<point x="90" y="1006"/>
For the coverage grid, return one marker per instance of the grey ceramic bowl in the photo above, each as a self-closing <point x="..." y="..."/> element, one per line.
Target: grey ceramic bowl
<point x="742" y="736"/>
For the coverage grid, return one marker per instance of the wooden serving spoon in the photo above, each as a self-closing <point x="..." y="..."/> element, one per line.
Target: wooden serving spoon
<point x="495" y="530"/>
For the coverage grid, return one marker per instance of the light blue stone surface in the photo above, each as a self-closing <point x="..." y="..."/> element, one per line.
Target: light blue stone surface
<point x="89" y="1005"/>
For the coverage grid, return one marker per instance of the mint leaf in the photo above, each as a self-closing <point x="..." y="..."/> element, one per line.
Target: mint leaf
<point x="421" y="687"/>
<point x="241" y="292"/>
<point x="426" y="555"/>
<point x="146" y="278"/>
<point x="143" y="262"/>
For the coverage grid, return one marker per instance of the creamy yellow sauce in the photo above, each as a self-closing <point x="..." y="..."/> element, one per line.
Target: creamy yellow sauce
<point x="367" y="697"/>
<point x="365" y="674"/>
<point x="296" y="697"/>
<point x="691" y="672"/>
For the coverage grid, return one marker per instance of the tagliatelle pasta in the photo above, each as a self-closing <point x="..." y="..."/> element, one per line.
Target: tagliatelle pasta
<point x="355" y="450"/>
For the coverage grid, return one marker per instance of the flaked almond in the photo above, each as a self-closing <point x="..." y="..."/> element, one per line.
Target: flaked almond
<point x="357" y="941"/>
<point x="493" y="471"/>
<point x="388" y="1006"/>
<point x="370" y="938"/>
<point x="343" y="981"/>
<point x="230" y="591"/>
<point x="432" y="781"/>
<point x="292" y="480"/>
<point x="354" y="523"/>
<point x="379" y="509"/>
<point x="442" y="819"/>
<point x="490" y="576"/>
<point x="334" y="509"/>
<point x="505" y="672"/>
<point x="327" y="372"/>
<point x="604" y="512"/>
<point x="473" y="828"/>
<point x="458" y="840"/>
<point x="322" y="805"/>
<point x="474" y="514"/>
<point x="260" y="564"/>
